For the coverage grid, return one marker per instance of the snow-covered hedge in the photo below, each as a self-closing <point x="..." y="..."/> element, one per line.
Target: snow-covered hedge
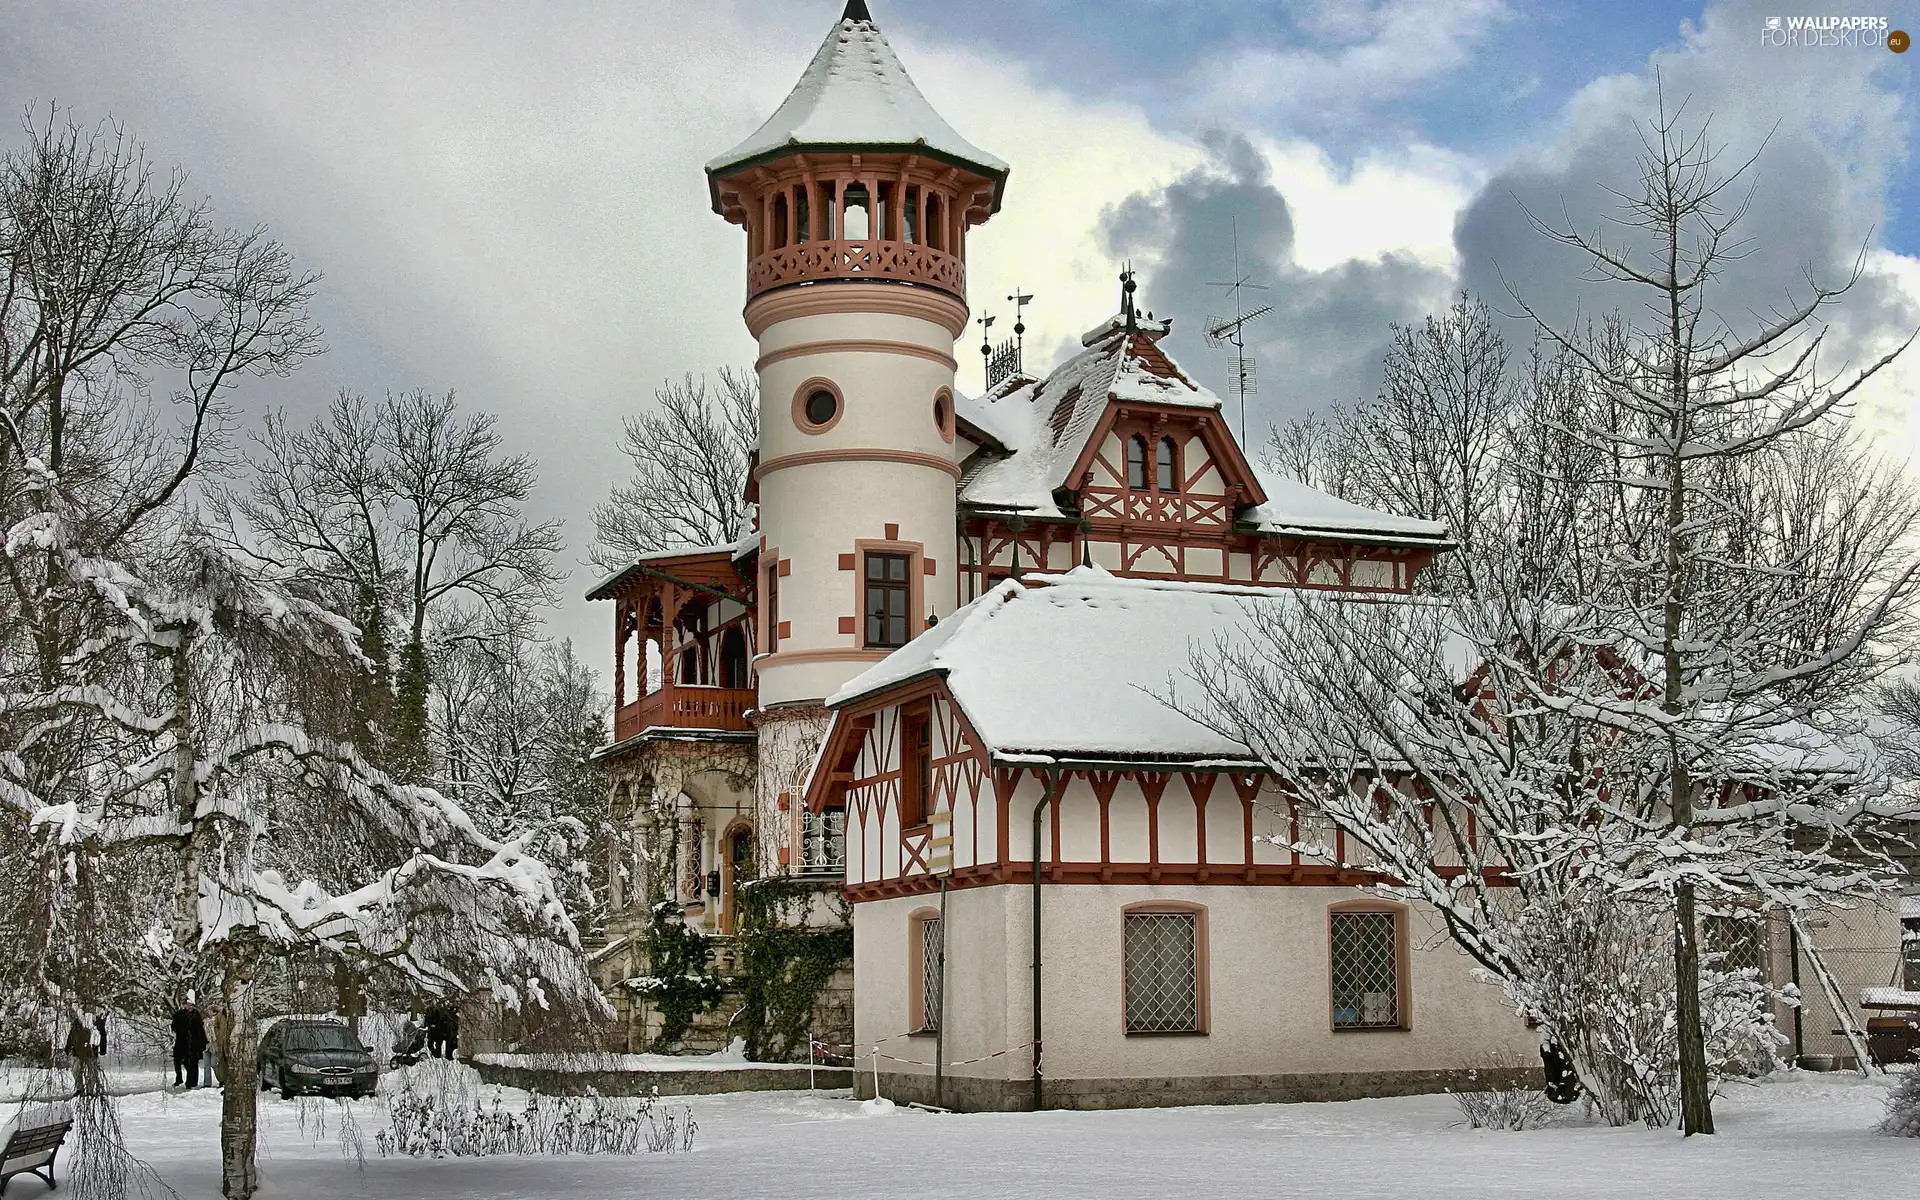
<point x="440" y="1108"/>
<point x="1903" y="1107"/>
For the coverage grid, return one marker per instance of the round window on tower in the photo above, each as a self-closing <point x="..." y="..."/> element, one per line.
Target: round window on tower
<point x="943" y="413"/>
<point x="817" y="405"/>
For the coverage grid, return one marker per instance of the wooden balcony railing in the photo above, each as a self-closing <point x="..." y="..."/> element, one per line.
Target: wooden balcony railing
<point x="685" y="707"/>
<point x="905" y="261"/>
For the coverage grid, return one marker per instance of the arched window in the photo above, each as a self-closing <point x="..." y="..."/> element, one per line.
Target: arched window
<point x="1167" y="466"/>
<point x="857" y="215"/>
<point x="1137" y="463"/>
<point x="733" y="658"/>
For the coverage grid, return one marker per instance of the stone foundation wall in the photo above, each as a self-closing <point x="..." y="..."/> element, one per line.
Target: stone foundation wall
<point x="968" y="1094"/>
<point x="615" y="1082"/>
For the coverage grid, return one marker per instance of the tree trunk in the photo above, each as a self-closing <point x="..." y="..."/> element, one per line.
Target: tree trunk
<point x="186" y="803"/>
<point x="1696" y="1096"/>
<point x="237" y="1041"/>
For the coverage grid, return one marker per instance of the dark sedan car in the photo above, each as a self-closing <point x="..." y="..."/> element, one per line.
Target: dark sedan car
<point x="320" y="1057"/>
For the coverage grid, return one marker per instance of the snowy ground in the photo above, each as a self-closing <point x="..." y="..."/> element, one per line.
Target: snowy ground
<point x="1793" y="1136"/>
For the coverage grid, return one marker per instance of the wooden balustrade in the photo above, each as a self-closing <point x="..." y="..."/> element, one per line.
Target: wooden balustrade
<point x="685" y="707"/>
<point x="905" y="262"/>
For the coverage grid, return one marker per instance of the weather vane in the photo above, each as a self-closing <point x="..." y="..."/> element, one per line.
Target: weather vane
<point x="1230" y="331"/>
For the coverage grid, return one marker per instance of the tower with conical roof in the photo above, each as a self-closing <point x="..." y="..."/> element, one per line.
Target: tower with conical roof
<point x="856" y="197"/>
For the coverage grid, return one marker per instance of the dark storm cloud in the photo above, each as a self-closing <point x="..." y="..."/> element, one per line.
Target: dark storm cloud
<point x="1324" y="339"/>
<point x="1825" y="125"/>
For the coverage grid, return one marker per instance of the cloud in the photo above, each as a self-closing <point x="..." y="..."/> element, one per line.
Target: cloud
<point x="1828" y="126"/>
<point x="1353" y="60"/>
<point x="509" y="199"/>
<point x="1333" y="308"/>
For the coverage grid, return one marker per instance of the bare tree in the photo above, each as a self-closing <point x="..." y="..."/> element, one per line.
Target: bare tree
<point x="690" y="455"/>
<point x="515" y="722"/>
<point x="1650" y="687"/>
<point x="128" y="315"/>
<point x="1317" y="449"/>
<point x="412" y="514"/>
<point x="1722" y="615"/>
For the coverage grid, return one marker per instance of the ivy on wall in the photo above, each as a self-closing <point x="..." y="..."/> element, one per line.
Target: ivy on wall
<point x="682" y="984"/>
<point x="784" y="965"/>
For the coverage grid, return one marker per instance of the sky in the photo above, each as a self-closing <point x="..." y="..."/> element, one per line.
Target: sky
<point x="505" y="199"/>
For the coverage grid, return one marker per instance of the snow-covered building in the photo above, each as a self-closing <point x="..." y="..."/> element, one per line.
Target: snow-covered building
<point x="940" y="658"/>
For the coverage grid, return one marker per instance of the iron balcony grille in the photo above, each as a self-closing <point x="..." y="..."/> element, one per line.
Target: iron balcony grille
<point x="1162" y="973"/>
<point x="823" y="841"/>
<point x="1366" y="981"/>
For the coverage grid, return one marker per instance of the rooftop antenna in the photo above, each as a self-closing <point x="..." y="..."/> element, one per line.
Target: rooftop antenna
<point x="1230" y="331"/>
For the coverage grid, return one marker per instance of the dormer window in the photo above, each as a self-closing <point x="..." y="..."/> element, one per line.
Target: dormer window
<point x="1137" y="463"/>
<point x="1167" y="466"/>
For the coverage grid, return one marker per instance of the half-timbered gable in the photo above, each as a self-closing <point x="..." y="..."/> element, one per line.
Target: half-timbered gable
<point x="1119" y="459"/>
<point x="1044" y="692"/>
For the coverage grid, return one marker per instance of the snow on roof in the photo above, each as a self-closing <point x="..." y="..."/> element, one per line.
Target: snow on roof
<point x="1910" y="907"/>
<point x="1079" y="665"/>
<point x="736" y="549"/>
<point x="1293" y="507"/>
<point x="977" y="413"/>
<point x="1047" y="424"/>
<point x="1076" y="667"/>
<point x="855" y="93"/>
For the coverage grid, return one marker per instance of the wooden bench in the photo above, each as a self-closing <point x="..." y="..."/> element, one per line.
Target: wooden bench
<point x="34" y="1143"/>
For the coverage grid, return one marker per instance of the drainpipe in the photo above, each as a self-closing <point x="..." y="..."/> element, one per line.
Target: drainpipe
<point x="1046" y="799"/>
<point x="940" y="1008"/>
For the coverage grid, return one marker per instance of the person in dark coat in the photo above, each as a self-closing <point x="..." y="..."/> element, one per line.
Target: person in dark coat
<point x="439" y="1024"/>
<point x="189" y="1043"/>
<point x="100" y="1030"/>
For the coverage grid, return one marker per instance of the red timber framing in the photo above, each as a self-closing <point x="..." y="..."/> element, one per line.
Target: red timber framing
<point x="1187" y="532"/>
<point x="967" y="772"/>
<point x="672" y="602"/>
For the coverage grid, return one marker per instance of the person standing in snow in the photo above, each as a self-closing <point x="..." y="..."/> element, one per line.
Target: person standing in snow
<point x="79" y="1037"/>
<point x="100" y="1030"/>
<point x="189" y="1043"/>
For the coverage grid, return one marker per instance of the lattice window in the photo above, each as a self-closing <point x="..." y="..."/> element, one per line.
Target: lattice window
<point x="823" y="840"/>
<point x="1162" y="972"/>
<point x="1366" y="971"/>
<point x="932" y="946"/>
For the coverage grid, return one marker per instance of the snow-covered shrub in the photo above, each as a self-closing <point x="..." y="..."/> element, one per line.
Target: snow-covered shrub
<point x="1501" y="1105"/>
<point x="440" y="1109"/>
<point x="1903" y="1107"/>
<point x="1599" y="982"/>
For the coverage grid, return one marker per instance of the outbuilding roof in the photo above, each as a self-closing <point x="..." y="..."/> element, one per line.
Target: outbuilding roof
<point x="1077" y="667"/>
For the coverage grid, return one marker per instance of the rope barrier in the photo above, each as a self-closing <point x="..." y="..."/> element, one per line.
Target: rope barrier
<point x="819" y="1051"/>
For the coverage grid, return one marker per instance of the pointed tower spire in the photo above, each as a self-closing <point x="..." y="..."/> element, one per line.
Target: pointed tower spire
<point x="857" y="11"/>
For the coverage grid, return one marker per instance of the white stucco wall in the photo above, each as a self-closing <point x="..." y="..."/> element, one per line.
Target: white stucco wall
<point x="1268" y="985"/>
<point x="812" y="513"/>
